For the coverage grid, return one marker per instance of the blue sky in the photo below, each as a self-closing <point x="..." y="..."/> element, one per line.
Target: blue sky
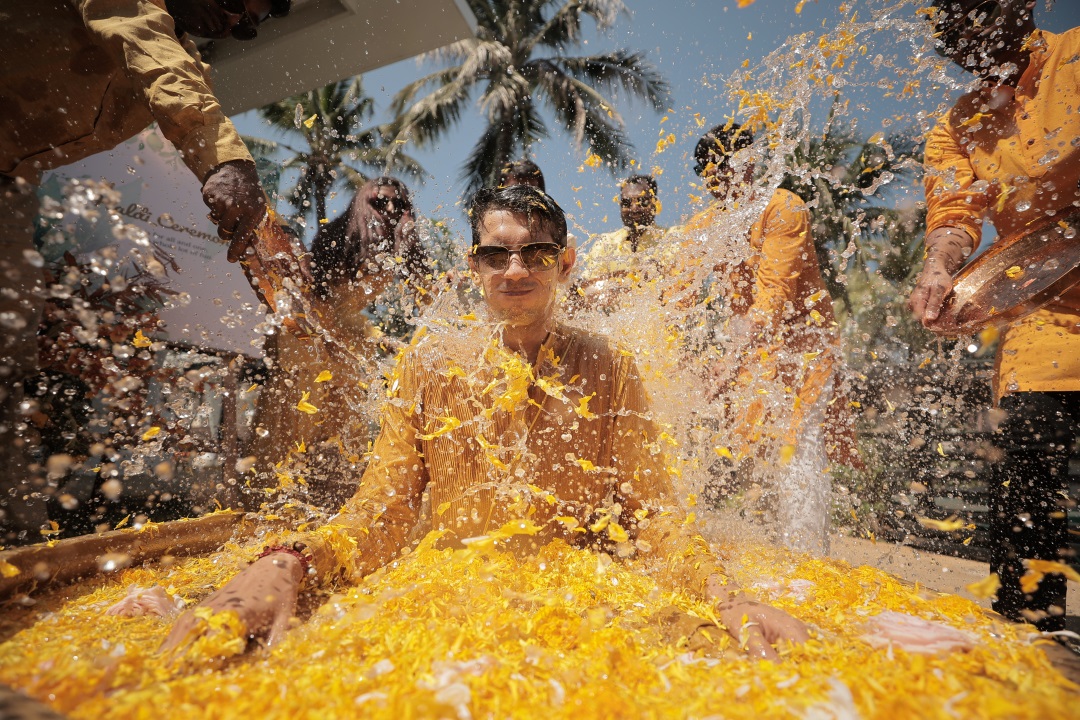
<point x="696" y="44"/>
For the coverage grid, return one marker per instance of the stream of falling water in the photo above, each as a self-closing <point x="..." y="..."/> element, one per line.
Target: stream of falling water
<point x="572" y="620"/>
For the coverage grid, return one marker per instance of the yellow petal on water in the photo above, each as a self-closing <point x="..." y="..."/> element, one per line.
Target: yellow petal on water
<point x="449" y="423"/>
<point x="582" y="408"/>
<point x="949" y="525"/>
<point x="304" y="406"/>
<point x="250" y="389"/>
<point x="811" y="355"/>
<point x="985" y="588"/>
<point x="967" y="540"/>
<point x="123" y="522"/>
<point x="617" y="533"/>
<point x="323" y="221"/>
<point x="442" y="508"/>
<point x="454" y="371"/>
<point x="1038" y="569"/>
<point x="8" y="570"/>
<point x="724" y="453"/>
<point x="141" y="341"/>
<point x="690" y="518"/>
<point x="324" y="376"/>
<point x="593" y="160"/>
<point x="586" y="465"/>
<point x="1014" y="272"/>
<point x="925" y="362"/>
<point x="786" y="453"/>
<point x="567" y="521"/>
<point x="311" y="121"/>
<point x="151" y="433"/>
<point x="940" y="450"/>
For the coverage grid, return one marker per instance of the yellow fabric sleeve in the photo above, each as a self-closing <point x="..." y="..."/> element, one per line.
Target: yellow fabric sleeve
<point x="141" y="35"/>
<point x="949" y="175"/>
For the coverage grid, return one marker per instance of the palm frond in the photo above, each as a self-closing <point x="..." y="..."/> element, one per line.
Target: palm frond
<point x="620" y="70"/>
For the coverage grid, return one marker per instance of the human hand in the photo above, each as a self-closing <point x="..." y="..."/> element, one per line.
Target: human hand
<point x="237" y="203"/>
<point x="758" y="627"/>
<point x="263" y="595"/>
<point x="945" y="251"/>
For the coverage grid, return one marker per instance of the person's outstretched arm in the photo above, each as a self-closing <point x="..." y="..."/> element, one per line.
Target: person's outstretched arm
<point x="369" y="531"/>
<point x="141" y="37"/>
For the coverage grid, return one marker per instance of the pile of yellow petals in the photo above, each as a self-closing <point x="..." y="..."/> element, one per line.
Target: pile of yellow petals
<point x="481" y="632"/>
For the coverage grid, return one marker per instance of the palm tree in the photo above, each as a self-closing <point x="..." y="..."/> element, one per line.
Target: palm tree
<point x="869" y="243"/>
<point x="517" y="59"/>
<point x="340" y="149"/>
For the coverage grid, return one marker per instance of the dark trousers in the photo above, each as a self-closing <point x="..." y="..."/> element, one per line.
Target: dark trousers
<point x="1029" y="501"/>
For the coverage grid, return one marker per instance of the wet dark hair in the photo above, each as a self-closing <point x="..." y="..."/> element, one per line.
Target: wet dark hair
<point x="525" y="200"/>
<point x="522" y="169"/>
<point x="721" y="142"/>
<point x="344" y="245"/>
<point x="642" y="180"/>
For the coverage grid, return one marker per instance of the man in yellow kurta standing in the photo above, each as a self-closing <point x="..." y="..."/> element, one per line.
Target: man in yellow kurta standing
<point x="521" y="419"/>
<point x="633" y="254"/>
<point x="1009" y="152"/>
<point x="782" y="317"/>
<point x="78" y="77"/>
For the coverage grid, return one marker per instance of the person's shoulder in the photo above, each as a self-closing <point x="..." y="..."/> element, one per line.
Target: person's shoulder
<point x="607" y="242"/>
<point x="784" y="202"/>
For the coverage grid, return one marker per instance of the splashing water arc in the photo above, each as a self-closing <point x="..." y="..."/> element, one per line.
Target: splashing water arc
<point x="496" y="623"/>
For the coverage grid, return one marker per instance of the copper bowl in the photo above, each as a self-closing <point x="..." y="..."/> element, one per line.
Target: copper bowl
<point x="1012" y="279"/>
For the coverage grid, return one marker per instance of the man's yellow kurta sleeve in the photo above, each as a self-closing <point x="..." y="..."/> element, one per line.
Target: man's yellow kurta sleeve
<point x="375" y="523"/>
<point x="645" y="485"/>
<point x="949" y="200"/>
<point x="141" y="36"/>
<point x="785" y="243"/>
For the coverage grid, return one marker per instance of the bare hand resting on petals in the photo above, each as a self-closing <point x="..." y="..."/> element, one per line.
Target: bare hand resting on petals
<point x="263" y="595"/>
<point x="756" y="626"/>
<point x="764" y="627"/>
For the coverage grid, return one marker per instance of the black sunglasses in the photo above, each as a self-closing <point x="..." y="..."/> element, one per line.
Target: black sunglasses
<point x="382" y="202"/>
<point x="952" y="25"/>
<point x="537" y="257"/>
<point x="644" y="201"/>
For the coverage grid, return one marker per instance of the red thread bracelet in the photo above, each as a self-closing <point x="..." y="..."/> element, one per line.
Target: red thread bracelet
<point x="305" y="562"/>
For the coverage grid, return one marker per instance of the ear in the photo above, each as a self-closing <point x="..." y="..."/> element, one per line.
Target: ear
<point x="569" y="257"/>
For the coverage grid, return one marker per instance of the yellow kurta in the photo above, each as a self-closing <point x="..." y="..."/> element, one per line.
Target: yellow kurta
<point x="1019" y="167"/>
<point x="489" y="439"/>
<point x="78" y="77"/>
<point x="780" y="288"/>
<point x="611" y="254"/>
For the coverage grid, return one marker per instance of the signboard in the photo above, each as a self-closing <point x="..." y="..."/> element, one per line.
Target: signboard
<point x="215" y="307"/>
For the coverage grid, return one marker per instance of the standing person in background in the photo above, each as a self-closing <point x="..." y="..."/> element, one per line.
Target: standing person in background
<point x="78" y="77"/>
<point x="354" y="259"/>
<point x="1009" y="152"/>
<point x="526" y="172"/>
<point x="783" y="326"/>
<point x="621" y="257"/>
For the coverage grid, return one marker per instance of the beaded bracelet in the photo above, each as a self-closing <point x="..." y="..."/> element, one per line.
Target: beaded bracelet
<point x="295" y="551"/>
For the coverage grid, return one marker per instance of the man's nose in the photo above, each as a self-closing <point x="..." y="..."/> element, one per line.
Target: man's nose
<point x="516" y="269"/>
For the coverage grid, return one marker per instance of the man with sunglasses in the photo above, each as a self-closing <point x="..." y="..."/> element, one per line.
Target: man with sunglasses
<point x="514" y="418"/>
<point x="1009" y="152"/>
<point x="78" y="77"/>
